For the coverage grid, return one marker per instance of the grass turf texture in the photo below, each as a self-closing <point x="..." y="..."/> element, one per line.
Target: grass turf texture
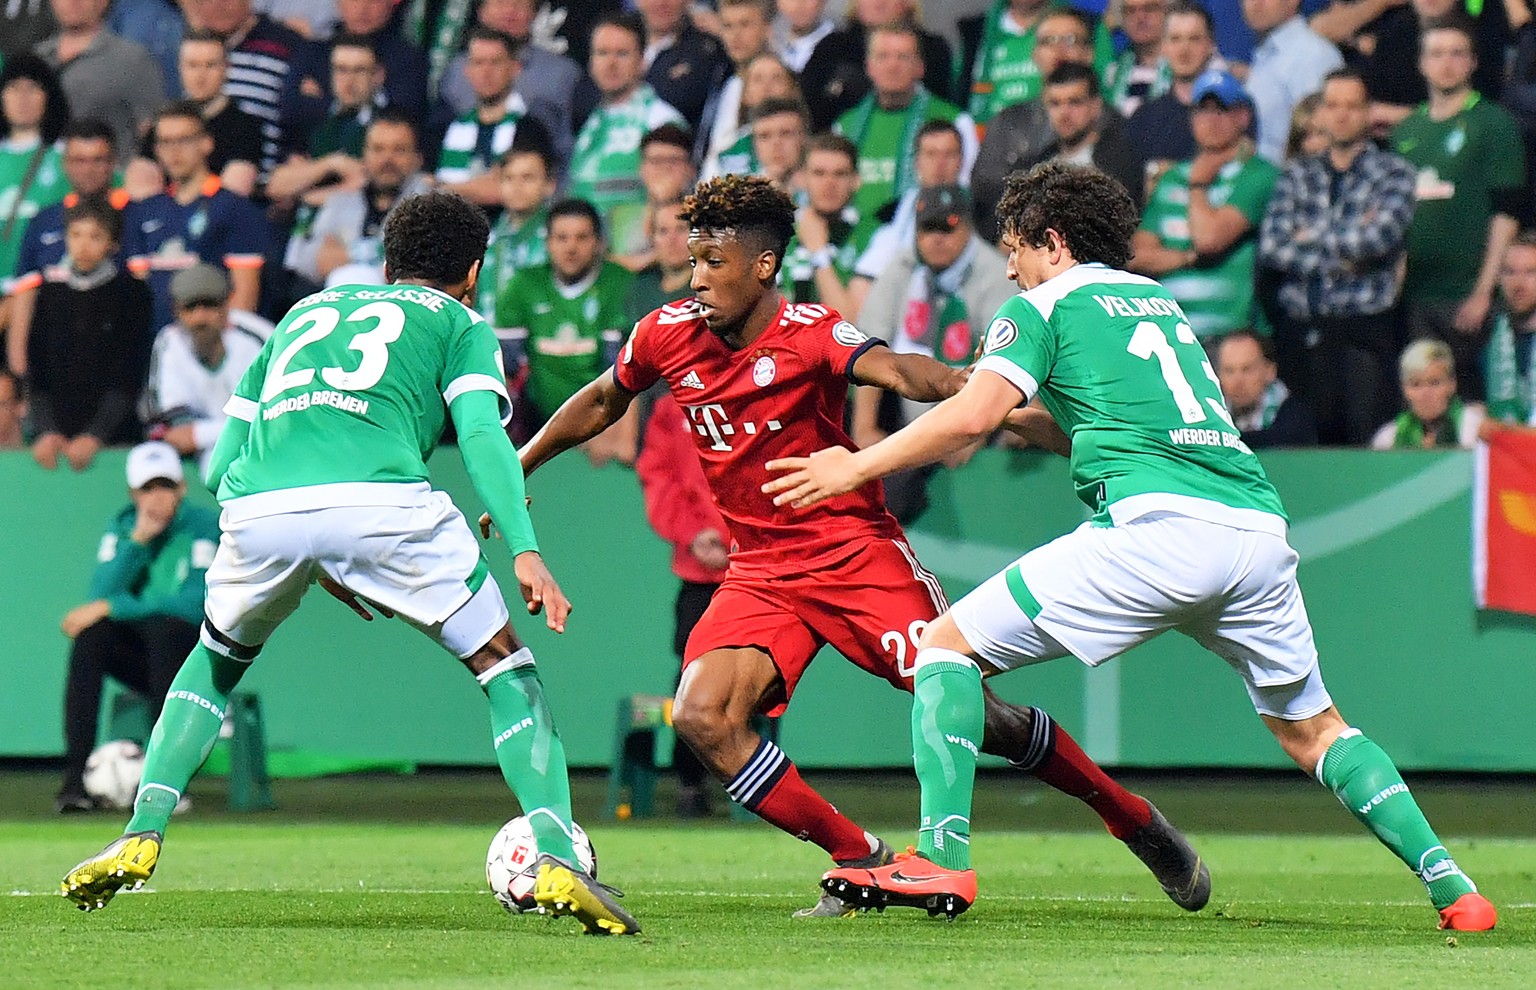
<point x="375" y="882"/>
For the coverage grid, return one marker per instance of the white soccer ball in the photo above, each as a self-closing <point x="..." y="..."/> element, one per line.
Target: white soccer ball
<point x="112" y="773"/>
<point x="509" y="863"/>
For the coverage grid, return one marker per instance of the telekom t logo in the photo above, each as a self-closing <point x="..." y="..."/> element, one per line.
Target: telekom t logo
<point x="711" y="422"/>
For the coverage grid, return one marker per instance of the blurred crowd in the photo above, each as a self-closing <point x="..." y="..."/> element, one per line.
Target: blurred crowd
<point x="1336" y="192"/>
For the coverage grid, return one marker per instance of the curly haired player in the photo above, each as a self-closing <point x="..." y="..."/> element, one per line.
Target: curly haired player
<point x="1187" y="534"/>
<point x="758" y="379"/>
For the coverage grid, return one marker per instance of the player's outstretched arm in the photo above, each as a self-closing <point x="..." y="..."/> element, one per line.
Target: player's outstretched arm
<point x="232" y="438"/>
<point x="976" y="411"/>
<point x="600" y="404"/>
<point x="912" y="376"/>
<point x="1038" y="427"/>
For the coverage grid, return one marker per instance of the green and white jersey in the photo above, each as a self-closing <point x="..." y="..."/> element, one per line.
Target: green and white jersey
<point x="49" y="186"/>
<point x="471" y="147"/>
<point x="1005" y="72"/>
<point x="887" y="143"/>
<point x="605" y="165"/>
<point x="850" y="235"/>
<point x="1112" y="356"/>
<point x="1218" y="293"/>
<point x="351" y="392"/>
<point x="569" y="332"/>
<point x="739" y="159"/>
<point x="511" y="249"/>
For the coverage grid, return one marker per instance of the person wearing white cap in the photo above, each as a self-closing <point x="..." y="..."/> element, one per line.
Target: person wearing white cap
<point x="198" y="360"/>
<point x="146" y="599"/>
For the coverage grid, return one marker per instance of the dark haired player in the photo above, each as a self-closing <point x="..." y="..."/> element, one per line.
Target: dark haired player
<point x="321" y="472"/>
<point x="759" y="378"/>
<point x="1187" y="534"/>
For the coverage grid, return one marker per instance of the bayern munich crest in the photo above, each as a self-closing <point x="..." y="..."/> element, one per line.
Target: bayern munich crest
<point x="764" y="371"/>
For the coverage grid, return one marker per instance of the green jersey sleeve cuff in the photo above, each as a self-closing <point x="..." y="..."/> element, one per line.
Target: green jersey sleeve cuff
<point x="240" y="407"/>
<point x="480" y="383"/>
<point x="1021" y="379"/>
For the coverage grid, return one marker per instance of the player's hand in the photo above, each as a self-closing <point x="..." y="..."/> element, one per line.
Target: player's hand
<point x="808" y="480"/>
<point x="351" y="601"/>
<point x="540" y="590"/>
<point x="485" y="520"/>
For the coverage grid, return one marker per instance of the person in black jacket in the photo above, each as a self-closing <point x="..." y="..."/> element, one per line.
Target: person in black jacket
<point x="1262" y="408"/>
<point x="88" y="352"/>
<point x="1086" y="131"/>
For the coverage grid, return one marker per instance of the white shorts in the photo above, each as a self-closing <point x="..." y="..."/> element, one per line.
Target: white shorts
<point x="420" y="561"/>
<point x="1100" y="590"/>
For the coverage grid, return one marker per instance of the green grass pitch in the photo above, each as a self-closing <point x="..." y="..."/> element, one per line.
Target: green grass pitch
<point x="376" y="883"/>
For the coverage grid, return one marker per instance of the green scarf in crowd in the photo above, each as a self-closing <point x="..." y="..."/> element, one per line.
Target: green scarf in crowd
<point x="1511" y="395"/>
<point x="916" y="116"/>
<point x="1411" y="429"/>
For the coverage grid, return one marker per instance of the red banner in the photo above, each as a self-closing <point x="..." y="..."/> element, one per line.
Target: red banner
<point x="1504" y="523"/>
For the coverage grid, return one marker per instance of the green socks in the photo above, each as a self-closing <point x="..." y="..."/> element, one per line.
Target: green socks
<point x="184" y="735"/>
<point x="1364" y="778"/>
<point x="947" y="721"/>
<point x="530" y="753"/>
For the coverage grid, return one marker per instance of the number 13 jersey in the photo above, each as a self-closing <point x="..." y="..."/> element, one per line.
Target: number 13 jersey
<point x="782" y="395"/>
<point x="1113" y="358"/>
<point x="353" y="388"/>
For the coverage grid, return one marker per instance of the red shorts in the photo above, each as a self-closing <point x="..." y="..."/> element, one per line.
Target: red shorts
<point x="871" y="607"/>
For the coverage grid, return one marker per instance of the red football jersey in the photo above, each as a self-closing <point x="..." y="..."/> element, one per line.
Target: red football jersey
<point x="780" y="396"/>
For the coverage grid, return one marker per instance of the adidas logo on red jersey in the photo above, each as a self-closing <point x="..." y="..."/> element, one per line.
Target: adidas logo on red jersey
<point x="692" y="380"/>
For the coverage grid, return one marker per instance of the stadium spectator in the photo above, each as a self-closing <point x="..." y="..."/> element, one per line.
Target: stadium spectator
<point x="681" y="510"/>
<point x="836" y="78"/>
<point x="404" y="64"/>
<point x="666" y="278"/>
<point x="548" y="81"/>
<point x="1306" y="136"/>
<point x="195" y="218"/>
<point x="1160" y="127"/>
<point x="562" y="323"/>
<point x="1509" y="361"/>
<point x="500" y="120"/>
<point x="203" y="71"/>
<point x="88" y="351"/>
<point x="1390" y="50"/>
<point x="1017" y="131"/>
<point x="1199" y="233"/>
<point x="1335" y="231"/>
<point x="745" y="30"/>
<point x="885" y="123"/>
<point x="33" y="115"/>
<point x="197" y="361"/>
<point x="12" y="410"/>
<point x="1086" y="132"/>
<point x="22" y="25"/>
<point x="103" y="75"/>
<point x="1289" y="61"/>
<point x="1433" y="414"/>
<point x="1140" y="73"/>
<point x="667" y="175"/>
<point x="800" y="27"/>
<point x="1263" y="408"/>
<point x="1009" y="68"/>
<point x="347" y="229"/>
<point x="146" y="601"/>
<point x="830" y="234"/>
<point x="764" y="78"/>
<point x="605" y="167"/>
<point x="274" y="74"/>
<point x="330" y="158"/>
<point x="779" y="129"/>
<point x="935" y="298"/>
<point x="1471" y="177"/>
<point x="518" y="236"/>
<point x="683" y="64"/>
<point x="88" y="162"/>
<point x="938" y="162"/>
<point x="158" y="25"/>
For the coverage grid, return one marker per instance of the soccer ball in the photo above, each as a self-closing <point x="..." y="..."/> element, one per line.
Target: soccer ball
<point x="509" y="863"/>
<point x="112" y="773"/>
